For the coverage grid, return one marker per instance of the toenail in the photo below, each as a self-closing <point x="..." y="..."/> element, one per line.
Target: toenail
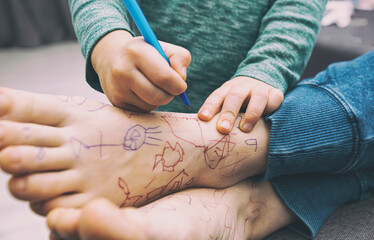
<point x="20" y="184"/>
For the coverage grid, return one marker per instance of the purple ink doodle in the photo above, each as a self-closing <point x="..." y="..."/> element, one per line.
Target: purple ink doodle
<point x="138" y="135"/>
<point x="251" y="142"/>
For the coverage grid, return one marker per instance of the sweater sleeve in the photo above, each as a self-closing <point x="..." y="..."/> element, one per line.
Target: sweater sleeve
<point x="286" y="38"/>
<point x="93" y="19"/>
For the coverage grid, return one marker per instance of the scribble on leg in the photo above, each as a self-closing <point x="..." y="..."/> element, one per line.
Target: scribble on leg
<point x="138" y="135"/>
<point x="172" y="186"/>
<point x="220" y="149"/>
<point x="170" y="157"/>
<point x="251" y="142"/>
<point x="129" y="200"/>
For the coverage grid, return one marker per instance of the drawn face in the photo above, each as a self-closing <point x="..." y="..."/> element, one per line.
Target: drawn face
<point x="135" y="138"/>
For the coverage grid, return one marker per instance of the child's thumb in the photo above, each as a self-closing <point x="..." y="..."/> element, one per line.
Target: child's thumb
<point x="180" y="59"/>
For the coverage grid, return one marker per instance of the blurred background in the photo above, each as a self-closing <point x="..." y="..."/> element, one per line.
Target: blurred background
<point x="39" y="53"/>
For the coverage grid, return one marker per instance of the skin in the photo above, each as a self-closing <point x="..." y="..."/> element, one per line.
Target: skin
<point x="134" y="76"/>
<point x="244" y="211"/>
<point x="66" y="151"/>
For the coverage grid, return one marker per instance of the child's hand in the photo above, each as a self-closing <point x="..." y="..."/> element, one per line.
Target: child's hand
<point x="258" y="98"/>
<point x="133" y="75"/>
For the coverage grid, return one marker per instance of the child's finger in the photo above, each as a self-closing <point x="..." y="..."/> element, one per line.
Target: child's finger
<point x="212" y="104"/>
<point x="133" y="102"/>
<point x="180" y="58"/>
<point x="148" y="92"/>
<point x="159" y="72"/>
<point x="274" y="101"/>
<point x="255" y="109"/>
<point x="231" y="107"/>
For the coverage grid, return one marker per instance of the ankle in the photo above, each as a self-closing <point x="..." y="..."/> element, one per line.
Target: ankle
<point x="266" y="212"/>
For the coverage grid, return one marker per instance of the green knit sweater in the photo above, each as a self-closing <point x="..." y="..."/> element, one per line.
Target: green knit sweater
<point x="270" y="40"/>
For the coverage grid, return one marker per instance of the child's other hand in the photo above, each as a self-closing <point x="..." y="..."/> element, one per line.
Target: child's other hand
<point x="258" y="98"/>
<point x="134" y="76"/>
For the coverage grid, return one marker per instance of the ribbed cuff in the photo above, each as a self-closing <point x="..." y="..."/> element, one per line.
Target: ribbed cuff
<point x="314" y="197"/>
<point x="310" y="132"/>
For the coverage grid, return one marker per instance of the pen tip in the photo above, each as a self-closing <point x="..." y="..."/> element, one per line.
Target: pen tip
<point x="189" y="108"/>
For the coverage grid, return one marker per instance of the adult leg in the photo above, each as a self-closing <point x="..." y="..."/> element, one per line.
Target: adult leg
<point x="243" y="211"/>
<point x="66" y="151"/>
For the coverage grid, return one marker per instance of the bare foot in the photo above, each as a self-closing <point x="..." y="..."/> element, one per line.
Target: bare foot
<point x="244" y="211"/>
<point x="66" y="151"/>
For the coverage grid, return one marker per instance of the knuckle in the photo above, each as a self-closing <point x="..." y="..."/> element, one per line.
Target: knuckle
<point x="118" y="71"/>
<point x="162" y="78"/>
<point x="260" y="92"/>
<point x="252" y="115"/>
<point x="229" y="114"/>
<point x="236" y="92"/>
<point x="132" y="50"/>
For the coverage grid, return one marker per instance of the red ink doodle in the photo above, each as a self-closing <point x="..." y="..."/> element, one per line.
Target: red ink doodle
<point x="170" y="157"/>
<point x="215" y="153"/>
<point x="129" y="200"/>
<point x="172" y="186"/>
<point x="234" y="165"/>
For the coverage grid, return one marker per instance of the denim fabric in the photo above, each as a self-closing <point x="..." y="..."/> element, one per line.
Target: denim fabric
<point x="321" y="150"/>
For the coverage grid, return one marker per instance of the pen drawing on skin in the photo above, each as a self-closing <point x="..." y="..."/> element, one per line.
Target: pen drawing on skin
<point x="129" y="200"/>
<point x="136" y="136"/>
<point x="169" y="157"/>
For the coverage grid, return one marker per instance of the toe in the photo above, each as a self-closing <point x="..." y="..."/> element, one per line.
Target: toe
<point x="63" y="223"/>
<point x="14" y="133"/>
<point x="73" y="200"/>
<point x="25" y="159"/>
<point x="31" y="107"/>
<point x="43" y="186"/>
<point x="101" y="219"/>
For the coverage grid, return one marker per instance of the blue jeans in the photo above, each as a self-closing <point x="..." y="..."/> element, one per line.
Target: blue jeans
<point x="321" y="152"/>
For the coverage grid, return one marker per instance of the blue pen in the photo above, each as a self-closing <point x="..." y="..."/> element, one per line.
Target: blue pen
<point x="148" y="34"/>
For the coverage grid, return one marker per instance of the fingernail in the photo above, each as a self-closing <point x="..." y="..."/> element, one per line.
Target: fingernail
<point x="184" y="72"/>
<point x="247" y="127"/>
<point x="225" y="125"/>
<point x="205" y="113"/>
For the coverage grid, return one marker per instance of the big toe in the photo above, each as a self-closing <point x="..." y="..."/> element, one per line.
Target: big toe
<point x="63" y="223"/>
<point x="101" y="219"/>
